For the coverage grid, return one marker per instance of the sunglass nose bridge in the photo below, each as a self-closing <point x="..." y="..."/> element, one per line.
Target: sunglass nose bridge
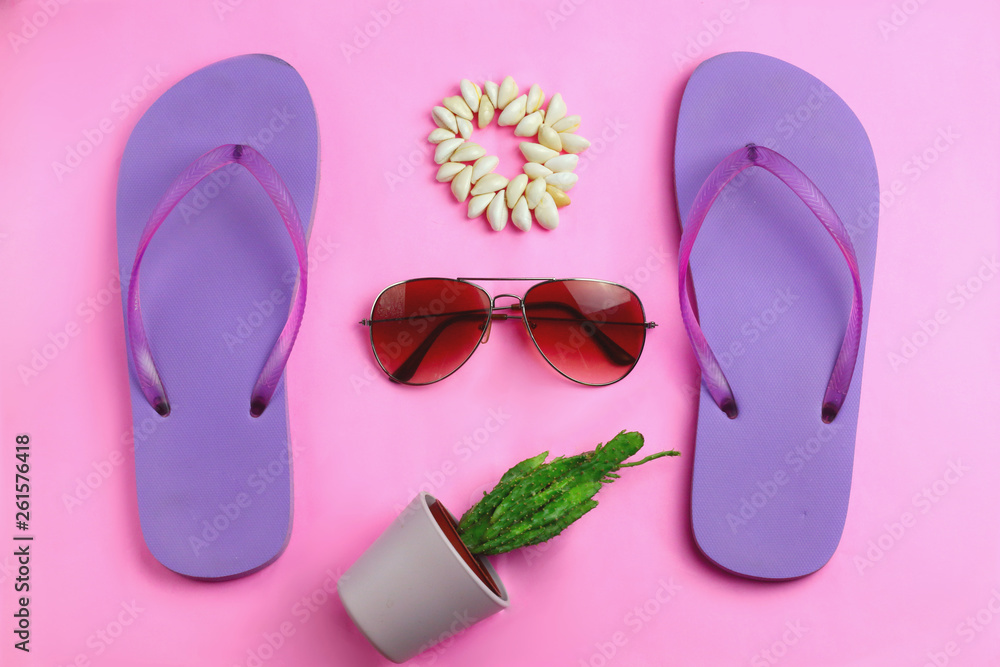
<point x="517" y="308"/>
<point x="498" y="314"/>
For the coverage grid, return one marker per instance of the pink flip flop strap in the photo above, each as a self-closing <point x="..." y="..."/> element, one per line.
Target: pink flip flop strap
<point x="734" y="163"/>
<point x="142" y="357"/>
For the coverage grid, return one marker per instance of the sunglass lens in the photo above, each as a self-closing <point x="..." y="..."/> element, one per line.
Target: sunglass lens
<point x="423" y="330"/>
<point x="590" y="331"/>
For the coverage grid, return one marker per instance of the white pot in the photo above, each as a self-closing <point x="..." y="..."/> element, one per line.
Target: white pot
<point x="412" y="588"/>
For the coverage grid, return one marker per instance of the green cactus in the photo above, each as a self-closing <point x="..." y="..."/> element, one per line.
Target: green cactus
<point x="534" y="501"/>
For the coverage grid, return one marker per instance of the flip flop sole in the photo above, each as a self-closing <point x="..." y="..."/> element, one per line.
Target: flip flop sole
<point x="771" y="487"/>
<point x="214" y="483"/>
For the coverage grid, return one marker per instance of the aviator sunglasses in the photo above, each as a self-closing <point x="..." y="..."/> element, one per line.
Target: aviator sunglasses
<point x="591" y="331"/>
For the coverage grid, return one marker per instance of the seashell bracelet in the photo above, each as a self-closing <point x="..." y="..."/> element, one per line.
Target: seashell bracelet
<point x="549" y="161"/>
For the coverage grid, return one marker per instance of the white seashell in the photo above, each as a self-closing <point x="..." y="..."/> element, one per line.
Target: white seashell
<point x="567" y="124"/>
<point x="478" y="204"/>
<point x="460" y="184"/>
<point x="496" y="212"/>
<point x="558" y="196"/>
<point x="574" y="143"/>
<point x="471" y="93"/>
<point x="486" y="112"/>
<point x="564" y="180"/>
<point x="446" y="149"/>
<point x="468" y="153"/>
<point x="535" y="97"/>
<point x="492" y="91"/>
<point x="464" y="127"/>
<point x="513" y="112"/>
<point x="537" y="152"/>
<point x="535" y="170"/>
<point x="448" y="171"/>
<point x="546" y="213"/>
<point x="444" y="118"/>
<point x="533" y="193"/>
<point x="457" y="106"/>
<point x="507" y="92"/>
<point x="549" y="138"/>
<point x="556" y="109"/>
<point x="515" y="189"/>
<point x="483" y="166"/>
<point x="562" y="163"/>
<point x="528" y="127"/>
<point x="490" y="182"/>
<point x="520" y="215"/>
<point x="440" y="134"/>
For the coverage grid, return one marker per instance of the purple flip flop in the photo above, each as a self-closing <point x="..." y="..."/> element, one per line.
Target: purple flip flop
<point x="224" y="166"/>
<point x="783" y="290"/>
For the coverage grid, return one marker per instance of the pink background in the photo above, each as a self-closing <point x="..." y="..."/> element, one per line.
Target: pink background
<point x="364" y="446"/>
